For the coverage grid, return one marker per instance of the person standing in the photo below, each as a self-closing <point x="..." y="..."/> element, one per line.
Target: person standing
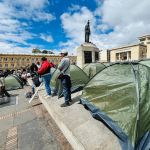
<point x="46" y="75"/>
<point x="64" y="66"/>
<point x="33" y="68"/>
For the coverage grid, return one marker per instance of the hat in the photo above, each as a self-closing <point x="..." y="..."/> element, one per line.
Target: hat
<point x="33" y="62"/>
<point x="64" y="52"/>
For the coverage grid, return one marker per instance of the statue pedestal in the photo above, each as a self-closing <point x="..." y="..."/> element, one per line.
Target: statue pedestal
<point x="87" y="53"/>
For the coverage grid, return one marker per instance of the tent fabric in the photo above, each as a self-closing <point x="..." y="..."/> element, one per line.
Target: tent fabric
<point x="78" y="80"/>
<point x="93" y="68"/>
<point x="120" y="97"/>
<point x="107" y="64"/>
<point x="145" y="62"/>
<point x="18" y="79"/>
<point x="13" y="82"/>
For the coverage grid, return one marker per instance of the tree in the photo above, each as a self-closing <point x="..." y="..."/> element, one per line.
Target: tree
<point x="50" y="52"/>
<point x="45" y="52"/>
<point x="36" y="50"/>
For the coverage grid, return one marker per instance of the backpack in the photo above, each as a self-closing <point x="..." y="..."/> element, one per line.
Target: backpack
<point x="28" y="94"/>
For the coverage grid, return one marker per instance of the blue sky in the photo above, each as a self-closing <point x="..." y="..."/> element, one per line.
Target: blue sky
<point x="59" y="24"/>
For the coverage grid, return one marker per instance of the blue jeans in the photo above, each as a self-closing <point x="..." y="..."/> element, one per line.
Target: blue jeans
<point x="32" y="88"/>
<point x="47" y="79"/>
<point x="66" y="90"/>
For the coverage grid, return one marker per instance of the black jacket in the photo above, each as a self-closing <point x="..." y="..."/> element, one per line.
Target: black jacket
<point x="33" y="68"/>
<point x="36" y="81"/>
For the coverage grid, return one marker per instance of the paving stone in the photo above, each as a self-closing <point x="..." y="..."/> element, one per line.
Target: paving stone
<point x="7" y="110"/>
<point x="36" y="135"/>
<point x="6" y="123"/>
<point x="24" y="117"/>
<point x="3" y="139"/>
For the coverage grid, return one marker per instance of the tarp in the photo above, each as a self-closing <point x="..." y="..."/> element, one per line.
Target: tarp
<point x="119" y="96"/>
<point x="13" y="82"/>
<point x="93" y="68"/>
<point x="78" y="80"/>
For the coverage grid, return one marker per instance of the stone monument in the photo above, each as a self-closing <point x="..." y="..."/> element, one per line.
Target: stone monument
<point x="87" y="52"/>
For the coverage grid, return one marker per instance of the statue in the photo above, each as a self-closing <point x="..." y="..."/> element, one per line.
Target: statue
<point x="87" y="32"/>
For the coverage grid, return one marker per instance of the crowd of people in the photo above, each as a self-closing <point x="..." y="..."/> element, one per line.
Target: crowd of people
<point x="44" y="73"/>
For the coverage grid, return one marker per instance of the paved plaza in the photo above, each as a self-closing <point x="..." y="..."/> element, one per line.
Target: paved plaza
<point x="31" y="128"/>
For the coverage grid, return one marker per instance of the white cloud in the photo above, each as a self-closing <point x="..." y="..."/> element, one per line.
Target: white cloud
<point x="74" y="7"/>
<point x="74" y="26"/>
<point x="113" y="23"/>
<point x="46" y="38"/>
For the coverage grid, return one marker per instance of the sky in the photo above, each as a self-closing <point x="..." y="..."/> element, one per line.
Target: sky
<point x="58" y="25"/>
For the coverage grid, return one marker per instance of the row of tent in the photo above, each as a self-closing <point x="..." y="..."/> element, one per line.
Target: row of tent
<point x="118" y="95"/>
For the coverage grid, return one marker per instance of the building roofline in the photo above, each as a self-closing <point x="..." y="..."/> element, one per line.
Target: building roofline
<point x="144" y="36"/>
<point x="131" y="45"/>
<point x="35" y="54"/>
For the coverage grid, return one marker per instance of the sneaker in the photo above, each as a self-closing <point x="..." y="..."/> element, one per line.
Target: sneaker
<point x="48" y="96"/>
<point x="64" y="105"/>
<point x="45" y="94"/>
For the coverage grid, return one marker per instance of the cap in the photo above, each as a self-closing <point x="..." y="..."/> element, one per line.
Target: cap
<point x="33" y="62"/>
<point x="64" y="52"/>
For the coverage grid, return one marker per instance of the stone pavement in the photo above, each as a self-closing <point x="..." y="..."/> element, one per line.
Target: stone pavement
<point x="29" y="129"/>
<point x="82" y="131"/>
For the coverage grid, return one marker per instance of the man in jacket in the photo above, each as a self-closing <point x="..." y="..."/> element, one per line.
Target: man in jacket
<point x="46" y="76"/>
<point x="33" y="68"/>
<point x="65" y="81"/>
<point x="36" y="82"/>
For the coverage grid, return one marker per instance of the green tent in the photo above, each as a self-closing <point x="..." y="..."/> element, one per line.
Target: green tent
<point x="107" y="64"/>
<point x="93" y="68"/>
<point x="13" y="82"/>
<point x="119" y="96"/>
<point x="145" y="62"/>
<point x="78" y="80"/>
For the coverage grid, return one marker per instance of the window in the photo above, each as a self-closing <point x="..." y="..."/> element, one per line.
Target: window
<point x="49" y="60"/>
<point x="22" y="59"/>
<point x="5" y="60"/>
<point x="12" y="65"/>
<point x="72" y="60"/>
<point x="37" y="60"/>
<point x="23" y="64"/>
<point x="12" y="59"/>
<point x="148" y="38"/>
<point x="6" y="65"/>
<point x="117" y="56"/>
<point x="0" y="60"/>
<point x="28" y="65"/>
<point x="75" y="60"/>
<point x="17" y="59"/>
<point x="0" y="65"/>
<point x="142" y="40"/>
<point x="57" y="60"/>
<point x="18" y="65"/>
<point x="52" y="59"/>
<point x="28" y="59"/>
<point x="32" y="59"/>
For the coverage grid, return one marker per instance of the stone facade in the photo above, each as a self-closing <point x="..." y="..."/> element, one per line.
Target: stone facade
<point x="84" y="49"/>
<point x="21" y="61"/>
<point x="129" y="52"/>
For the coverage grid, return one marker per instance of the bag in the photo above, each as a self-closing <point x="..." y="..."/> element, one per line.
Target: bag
<point x="60" y="74"/>
<point x="28" y="94"/>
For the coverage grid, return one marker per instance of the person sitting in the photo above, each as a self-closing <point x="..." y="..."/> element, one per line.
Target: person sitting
<point x="28" y="74"/>
<point x="24" y="78"/>
<point x="2" y="86"/>
<point x="36" y="82"/>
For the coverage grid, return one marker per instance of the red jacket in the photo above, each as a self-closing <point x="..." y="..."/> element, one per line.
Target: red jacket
<point x="45" y="68"/>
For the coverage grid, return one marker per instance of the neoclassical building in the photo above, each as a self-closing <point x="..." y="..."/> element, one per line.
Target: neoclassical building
<point x="132" y="52"/>
<point x="22" y="61"/>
